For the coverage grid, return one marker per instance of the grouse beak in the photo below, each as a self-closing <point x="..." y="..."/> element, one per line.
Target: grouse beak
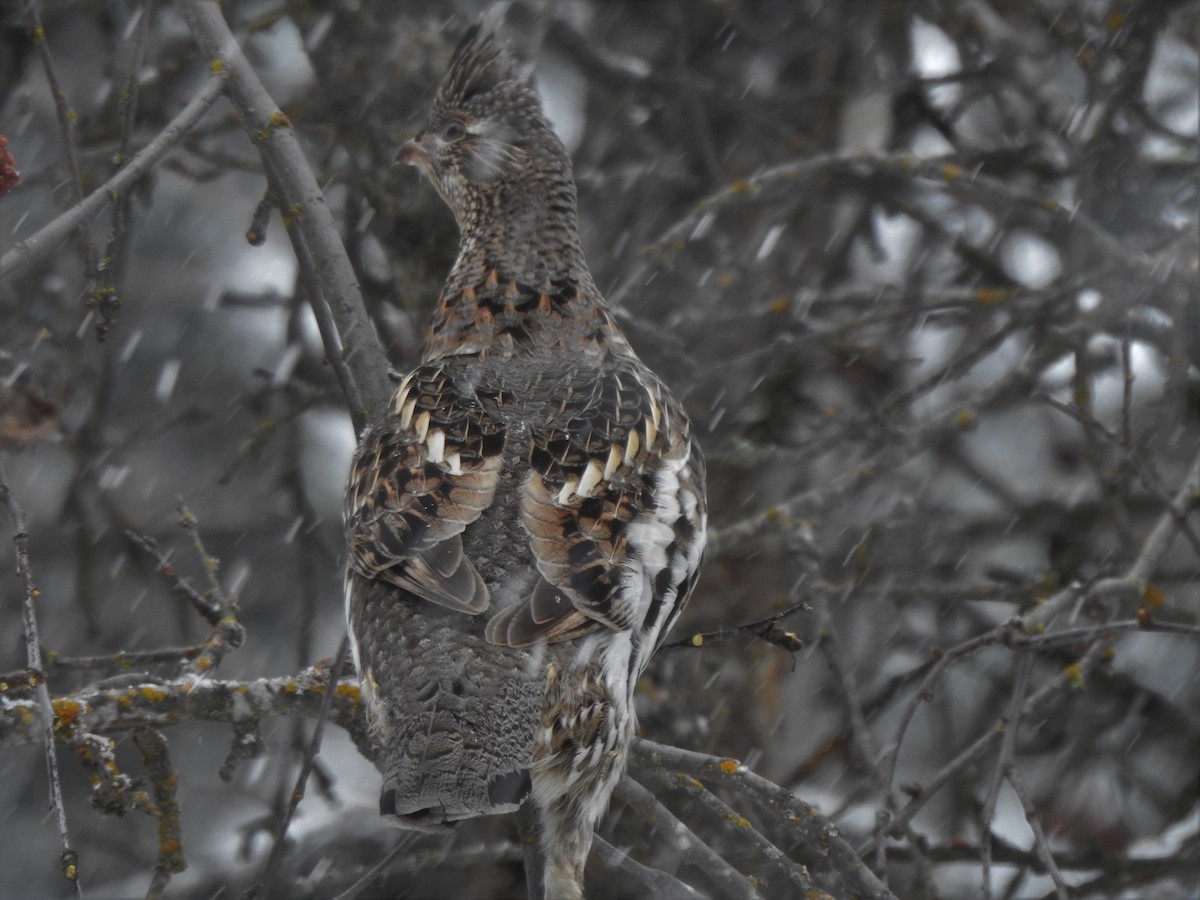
<point x="412" y="153"/>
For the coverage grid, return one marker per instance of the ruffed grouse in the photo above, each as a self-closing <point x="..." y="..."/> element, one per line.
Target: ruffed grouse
<point x="526" y="520"/>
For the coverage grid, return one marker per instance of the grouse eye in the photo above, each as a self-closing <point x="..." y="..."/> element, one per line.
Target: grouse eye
<point x="453" y="130"/>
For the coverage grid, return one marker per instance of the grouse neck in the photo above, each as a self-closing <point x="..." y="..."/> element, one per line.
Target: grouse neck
<point x="530" y="231"/>
<point x="521" y="286"/>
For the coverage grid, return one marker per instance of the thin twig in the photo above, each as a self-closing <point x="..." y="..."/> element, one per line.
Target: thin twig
<point x="163" y="779"/>
<point x="767" y="629"/>
<point x="1039" y="836"/>
<point x="356" y="890"/>
<point x="66" y="125"/>
<point x="1012" y="727"/>
<point x="219" y="610"/>
<point x="208" y="609"/>
<point x="33" y="655"/>
<point x="654" y="882"/>
<point x="123" y="660"/>
<point x="266" y="884"/>
<point x="210" y="563"/>
<point x="106" y="298"/>
<point x="834" y="649"/>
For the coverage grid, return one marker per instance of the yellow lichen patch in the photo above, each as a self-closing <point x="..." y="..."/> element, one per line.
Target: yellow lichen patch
<point x="779" y="305"/>
<point x="987" y="296"/>
<point x="280" y="120"/>
<point x="1152" y="597"/>
<point x="1115" y="21"/>
<point x="153" y="693"/>
<point x="67" y="712"/>
<point x="779" y="518"/>
<point x="203" y="664"/>
<point x="1050" y="204"/>
<point x="26" y="715"/>
<point x="217" y="66"/>
<point x="951" y="172"/>
<point x="741" y="186"/>
<point x="739" y="821"/>
<point x="964" y="419"/>
<point x="170" y="847"/>
<point x="1074" y="675"/>
<point x="697" y="640"/>
<point x="347" y="690"/>
<point x="729" y="766"/>
<point x="290" y="687"/>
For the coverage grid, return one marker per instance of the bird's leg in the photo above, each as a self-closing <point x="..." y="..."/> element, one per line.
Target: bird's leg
<point x="565" y="839"/>
<point x="535" y="862"/>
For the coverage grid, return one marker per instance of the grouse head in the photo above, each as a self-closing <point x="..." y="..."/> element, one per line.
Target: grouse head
<point x="487" y="146"/>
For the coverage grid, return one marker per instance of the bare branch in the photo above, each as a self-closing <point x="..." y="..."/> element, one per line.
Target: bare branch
<point x="821" y="839"/>
<point x="158" y="704"/>
<point x="731" y="882"/>
<point x="302" y="201"/>
<point x="45" y="713"/>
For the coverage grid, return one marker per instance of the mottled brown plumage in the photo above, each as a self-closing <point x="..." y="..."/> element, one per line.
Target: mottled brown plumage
<point x="526" y="519"/>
